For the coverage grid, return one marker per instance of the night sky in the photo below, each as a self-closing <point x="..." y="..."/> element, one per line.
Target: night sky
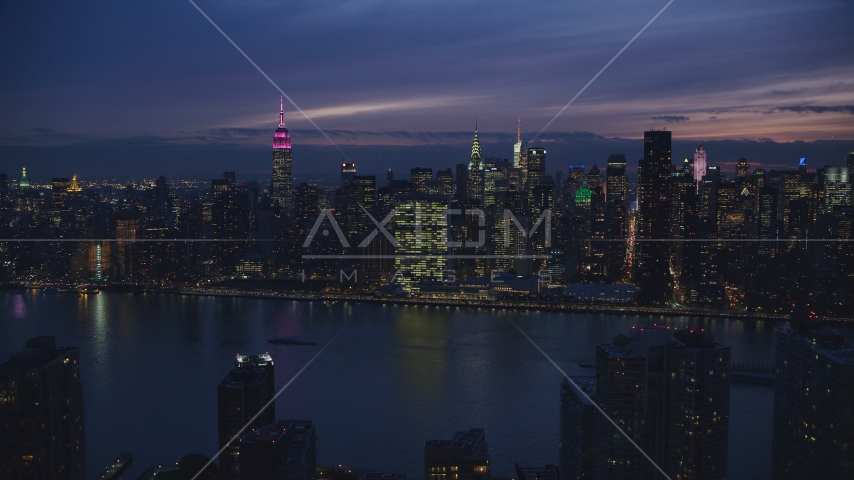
<point x="135" y="89"/>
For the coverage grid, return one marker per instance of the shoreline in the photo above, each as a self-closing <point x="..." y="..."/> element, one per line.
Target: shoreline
<point x="609" y="309"/>
<point x="547" y="307"/>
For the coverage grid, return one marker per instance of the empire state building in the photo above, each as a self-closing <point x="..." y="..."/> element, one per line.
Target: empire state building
<point x="282" y="188"/>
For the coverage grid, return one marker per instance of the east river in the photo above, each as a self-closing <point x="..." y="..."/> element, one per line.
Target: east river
<point x="394" y="376"/>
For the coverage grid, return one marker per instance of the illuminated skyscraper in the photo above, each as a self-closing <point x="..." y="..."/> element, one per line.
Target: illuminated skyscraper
<point x="517" y="147"/>
<point x="837" y="187"/>
<point x="699" y="165"/>
<point x="653" y="223"/>
<point x="25" y="182"/>
<point x="281" y="190"/>
<point x="446" y="180"/>
<point x="421" y="230"/>
<point x="418" y="178"/>
<point x="536" y="157"/>
<point x="616" y="215"/>
<point x="475" y="171"/>
<point x="742" y="168"/>
<point x="127" y="227"/>
<point x="348" y="171"/>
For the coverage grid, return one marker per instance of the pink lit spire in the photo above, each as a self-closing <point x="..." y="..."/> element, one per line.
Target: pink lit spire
<point x="281" y="112"/>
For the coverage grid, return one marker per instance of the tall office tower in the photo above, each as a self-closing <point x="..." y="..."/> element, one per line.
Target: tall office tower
<point x="837" y="188"/>
<point x="850" y="162"/>
<point x="127" y="227"/>
<point x="41" y="413"/>
<point x="699" y="165"/>
<point x="421" y="230"/>
<point x="813" y="403"/>
<point x="707" y="386"/>
<point x="578" y="428"/>
<point x="517" y="147"/>
<point x="4" y="188"/>
<point x="60" y="192"/>
<point x="536" y="165"/>
<point x="616" y="215"/>
<point x="494" y="181"/>
<point x="285" y="450"/>
<point x="361" y="194"/>
<point x="461" y="188"/>
<point x="389" y="177"/>
<point x="230" y="177"/>
<point x="742" y="168"/>
<point x="616" y="182"/>
<point x="25" y="182"/>
<point x="446" y="180"/>
<point x="229" y="215"/>
<point x="475" y="172"/>
<point x="514" y="180"/>
<point x="802" y="166"/>
<point x="653" y="218"/>
<point x="418" y="178"/>
<point x="240" y="396"/>
<point x="464" y="457"/>
<point x="574" y="179"/>
<point x="283" y="177"/>
<point x="348" y="171"/>
<point x="161" y="201"/>
<point x="306" y="206"/>
<point x="558" y="176"/>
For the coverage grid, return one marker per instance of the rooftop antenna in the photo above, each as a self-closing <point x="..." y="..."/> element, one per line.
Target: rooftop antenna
<point x="281" y="111"/>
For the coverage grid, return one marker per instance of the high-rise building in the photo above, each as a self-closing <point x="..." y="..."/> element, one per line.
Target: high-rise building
<point x="475" y="171"/>
<point x="699" y="165"/>
<point x="494" y="181"/>
<point x="742" y="168"/>
<point x="536" y="165"/>
<point x="283" y="179"/>
<point x="41" y="413"/>
<point x="813" y="403"/>
<point x="707" y="393"/>
<point x="462" y="181"/>
<point x="616" y="215"/>
<point x="4" y="188"/>
<point x="285" y="450"/>
<point x="421" y="230"/>
<point x="60" y="192"/>
<point x="418" y="178"/>
<point x="653" y="218"/>
<point x="348" y="171"/>
<point x="127" y="228"/>
<point x="25" y="182"/>
<point x="517" y="147"/>
<point x="242" y="394"/>
<point x="389" y="177"/>
<point x="578" y="428"/>
<point x="446" y="180"/>
<point x="668" y="391"/>
<point x="836" y="185"/>
<point x="464" y="457"/>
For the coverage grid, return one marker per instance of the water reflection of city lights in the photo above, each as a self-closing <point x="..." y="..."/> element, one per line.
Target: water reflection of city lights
<point x="19" y="308"/>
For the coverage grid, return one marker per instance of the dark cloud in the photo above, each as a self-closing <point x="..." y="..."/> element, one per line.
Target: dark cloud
<point x="847" y="109"/>
<point x="670" y="118"/>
